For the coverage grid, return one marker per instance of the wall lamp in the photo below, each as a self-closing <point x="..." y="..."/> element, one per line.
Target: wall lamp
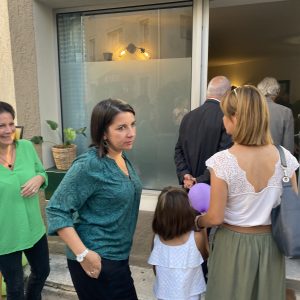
<point x="132" y="48"/>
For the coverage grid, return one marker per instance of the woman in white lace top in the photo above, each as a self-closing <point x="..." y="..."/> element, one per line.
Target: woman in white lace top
<point x="245" y="263"/>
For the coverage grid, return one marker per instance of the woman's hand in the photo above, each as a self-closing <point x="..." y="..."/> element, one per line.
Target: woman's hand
<point x="32" y="186"/>
<point x="92" y="264"/>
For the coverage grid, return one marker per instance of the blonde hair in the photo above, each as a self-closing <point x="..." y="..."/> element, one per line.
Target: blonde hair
<point x="250" y="108"/>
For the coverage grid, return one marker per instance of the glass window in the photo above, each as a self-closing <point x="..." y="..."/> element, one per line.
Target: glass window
<point x="142" y="57"/>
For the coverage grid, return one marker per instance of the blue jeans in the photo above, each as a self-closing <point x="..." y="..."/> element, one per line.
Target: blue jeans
<point x="12" y="270"/>
<point x="114" y="282"/>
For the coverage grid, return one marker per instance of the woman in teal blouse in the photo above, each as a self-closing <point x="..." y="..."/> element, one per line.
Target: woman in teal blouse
<point x="21" y="224"/>
<point x="94" y="209"/>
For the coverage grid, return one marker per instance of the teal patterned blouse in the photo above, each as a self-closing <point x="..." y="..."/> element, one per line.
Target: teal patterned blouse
<point x="100" y="202"/>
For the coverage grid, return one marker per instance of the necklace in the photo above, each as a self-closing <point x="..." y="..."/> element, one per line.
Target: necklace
<point x="9" y="164"/>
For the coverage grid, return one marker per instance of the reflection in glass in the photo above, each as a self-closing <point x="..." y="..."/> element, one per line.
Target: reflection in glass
<point x="157" y="86"/>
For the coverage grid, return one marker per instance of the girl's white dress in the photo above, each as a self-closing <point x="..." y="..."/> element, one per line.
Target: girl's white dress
<point x="179" y="273"/>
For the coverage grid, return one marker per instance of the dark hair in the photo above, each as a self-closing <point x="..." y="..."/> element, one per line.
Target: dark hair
<point x="173" y="215"/>
<point x="7" y="108"/>
<point x="103" y="115"/>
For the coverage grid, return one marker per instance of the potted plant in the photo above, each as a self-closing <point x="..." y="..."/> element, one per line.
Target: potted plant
<point x="63" y="153"/>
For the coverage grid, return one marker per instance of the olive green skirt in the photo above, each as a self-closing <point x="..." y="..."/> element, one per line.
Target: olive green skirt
<point x="244" y="266"/>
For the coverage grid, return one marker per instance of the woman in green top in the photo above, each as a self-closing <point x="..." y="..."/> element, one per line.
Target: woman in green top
<point x="21" y="224"/>
<point x="94" y="209"/>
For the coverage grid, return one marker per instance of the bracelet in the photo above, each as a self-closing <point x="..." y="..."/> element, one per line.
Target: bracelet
<point x="198" y="228"/>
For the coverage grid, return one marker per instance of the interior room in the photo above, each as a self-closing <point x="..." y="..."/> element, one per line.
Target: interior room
<point x="261" y="38"/>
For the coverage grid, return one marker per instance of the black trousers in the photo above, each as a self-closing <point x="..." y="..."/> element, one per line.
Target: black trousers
<point x="114" y="282"/>
<point x="12" y="270"/>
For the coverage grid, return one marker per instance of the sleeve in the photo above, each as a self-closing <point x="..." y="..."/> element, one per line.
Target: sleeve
<point x="179" y="159"/>
<point x="204" y="178"/>
<point x="288" y="135"/>
<point x="292" y="163"/>
<point x="216" y="163"/>
<point x="39" y="168"/>
<point x="72" y="193"/>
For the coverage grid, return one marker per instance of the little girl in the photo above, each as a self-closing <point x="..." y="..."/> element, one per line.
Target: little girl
<point x="178" y="251"/>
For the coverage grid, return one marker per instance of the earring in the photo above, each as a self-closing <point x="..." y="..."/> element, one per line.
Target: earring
<point x="105" y="143"/>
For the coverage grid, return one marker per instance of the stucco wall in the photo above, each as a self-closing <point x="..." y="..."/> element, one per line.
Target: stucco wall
<point x="7" y="91"/>
<point x="23" y="57"/>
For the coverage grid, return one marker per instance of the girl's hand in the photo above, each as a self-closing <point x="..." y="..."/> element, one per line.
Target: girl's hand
<point x="32" y="186"/>
<point x="92" y="264"/>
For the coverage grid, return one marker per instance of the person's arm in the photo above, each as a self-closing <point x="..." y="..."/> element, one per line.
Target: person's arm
<point x="204" y="178"/>
<point x="183" y="174"/>
<point x="288" y="134"/>
<point x="152" y="245"/>
<point x="72" y="193"/>
<point x="202" y="242"/>
<point x="179" y="159"/>
<point x="180" y="163"/>
<point x="32" y="186"/>
<point x="218" y="200"/>
<point x="92" y="261"/>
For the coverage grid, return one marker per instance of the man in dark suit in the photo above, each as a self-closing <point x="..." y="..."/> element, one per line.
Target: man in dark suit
<point x="201" y="135"/>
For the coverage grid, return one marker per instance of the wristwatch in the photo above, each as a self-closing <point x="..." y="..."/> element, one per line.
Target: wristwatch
<point x="80" y="257"/>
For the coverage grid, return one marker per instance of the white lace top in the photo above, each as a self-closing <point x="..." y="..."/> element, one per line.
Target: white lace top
<point x="245" y="207"/>
<point x="178" y="270"/>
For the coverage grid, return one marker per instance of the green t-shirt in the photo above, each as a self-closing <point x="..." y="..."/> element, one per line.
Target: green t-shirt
<point x="21" y="223"/>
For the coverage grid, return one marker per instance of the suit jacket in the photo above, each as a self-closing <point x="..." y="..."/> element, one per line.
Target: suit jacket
<point x="281" y="125"/>
<point x="201" y="135"/>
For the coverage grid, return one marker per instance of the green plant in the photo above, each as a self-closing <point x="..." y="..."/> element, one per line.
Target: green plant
<point x="70" y="135"/>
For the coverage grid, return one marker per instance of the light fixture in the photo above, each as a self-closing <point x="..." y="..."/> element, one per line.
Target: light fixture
<point x="132" y="48"/>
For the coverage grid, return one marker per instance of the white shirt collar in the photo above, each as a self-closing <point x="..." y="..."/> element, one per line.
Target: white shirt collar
<point x="214" y="99"/>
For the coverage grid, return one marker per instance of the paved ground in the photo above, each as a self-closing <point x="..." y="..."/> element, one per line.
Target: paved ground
<point x="59" y="284"/>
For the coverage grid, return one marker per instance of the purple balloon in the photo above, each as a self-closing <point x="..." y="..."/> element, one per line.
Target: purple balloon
<point x="199" y="196"/>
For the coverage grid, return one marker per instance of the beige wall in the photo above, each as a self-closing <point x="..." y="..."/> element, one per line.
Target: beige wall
<point x="18" y="56"/>
<point x="285" y="68"/>
<point x="7" y="90"/>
